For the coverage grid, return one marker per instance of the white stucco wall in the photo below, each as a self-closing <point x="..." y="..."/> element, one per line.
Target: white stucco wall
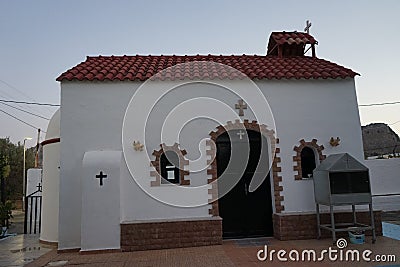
<point x="91" y="119"/>
<point x="100" y="201"/>
<point x="385" y="179"/>
<point x="33" y="179"/>
<point x="51" y="182"/>
<point x="92" y="115"/>
<point x="306" y="110"/>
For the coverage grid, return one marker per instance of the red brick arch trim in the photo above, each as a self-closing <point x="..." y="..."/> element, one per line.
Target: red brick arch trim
<point x="50" y="141"/>
<point x="297" y="159"/>
<point x="212" y="169"/>
<point x="182" y="163"/>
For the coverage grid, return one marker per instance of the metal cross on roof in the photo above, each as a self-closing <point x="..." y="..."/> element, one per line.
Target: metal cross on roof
<point x="308" y="26"/>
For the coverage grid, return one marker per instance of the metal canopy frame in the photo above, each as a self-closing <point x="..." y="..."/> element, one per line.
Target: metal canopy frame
<point x="341" y="163"/>
<point x="345" y="227"/>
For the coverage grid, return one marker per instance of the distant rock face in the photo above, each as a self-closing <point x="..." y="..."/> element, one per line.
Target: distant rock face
<point x="379" y="139"/>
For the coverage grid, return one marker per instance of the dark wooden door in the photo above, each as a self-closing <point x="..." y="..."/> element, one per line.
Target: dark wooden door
<point x="244" y="213"/>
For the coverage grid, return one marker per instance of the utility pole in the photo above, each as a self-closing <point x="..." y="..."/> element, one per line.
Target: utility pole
<point x="37" y="150"/>
<point x="2" y="184"/>
<point x="24" y="174"/>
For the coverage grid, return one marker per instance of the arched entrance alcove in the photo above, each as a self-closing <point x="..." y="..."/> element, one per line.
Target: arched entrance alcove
<point x="246" y="213"/>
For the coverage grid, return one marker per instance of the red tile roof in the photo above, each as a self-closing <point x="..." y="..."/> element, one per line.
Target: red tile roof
<point x="131" y="68"/>
<point x="292" y="37"/>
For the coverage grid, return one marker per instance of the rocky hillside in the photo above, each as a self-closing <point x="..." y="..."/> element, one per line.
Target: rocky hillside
<point x="380" y="139"/>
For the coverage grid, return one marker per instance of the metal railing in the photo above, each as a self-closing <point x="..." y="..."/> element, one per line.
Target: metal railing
<point x="33" y="212"/>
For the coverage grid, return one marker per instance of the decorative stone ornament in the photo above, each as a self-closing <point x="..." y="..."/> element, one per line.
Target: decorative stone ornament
<point x="138" y="146"/>
<point x="241" y="106"/>
<point x="334" y="141"/>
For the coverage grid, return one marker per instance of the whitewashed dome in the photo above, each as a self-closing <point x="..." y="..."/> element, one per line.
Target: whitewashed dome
<point x="53" y="129"/>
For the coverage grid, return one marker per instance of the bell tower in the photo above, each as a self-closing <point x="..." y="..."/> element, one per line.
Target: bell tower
<point x="291" y="44"/>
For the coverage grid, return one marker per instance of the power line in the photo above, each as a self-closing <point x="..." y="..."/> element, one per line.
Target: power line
<point x="394" y="123"/>
<point x="25" y="111"/>
<point x="57" y="105"/>
<point x="29" y="103"/>
<point x="379" y="104"/>
<point x="20" y="92"/>
<point x="28" y="107"/>
<point x="12" y="116"/>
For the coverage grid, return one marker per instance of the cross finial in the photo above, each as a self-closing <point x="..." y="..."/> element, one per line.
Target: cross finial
<point x="308" y="26"/>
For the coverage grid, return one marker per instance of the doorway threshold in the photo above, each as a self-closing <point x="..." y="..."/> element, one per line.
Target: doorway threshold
<point x="252" y="241"/>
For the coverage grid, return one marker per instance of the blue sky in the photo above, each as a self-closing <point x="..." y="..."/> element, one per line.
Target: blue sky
<point x="41" y="39"/>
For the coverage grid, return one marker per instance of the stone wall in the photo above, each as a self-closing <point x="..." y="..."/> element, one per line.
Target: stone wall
<point x="171" y="234"/>
<point x="304" y="225"/>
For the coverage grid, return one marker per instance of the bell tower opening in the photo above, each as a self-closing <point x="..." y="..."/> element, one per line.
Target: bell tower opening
<point x="291" y="44"/>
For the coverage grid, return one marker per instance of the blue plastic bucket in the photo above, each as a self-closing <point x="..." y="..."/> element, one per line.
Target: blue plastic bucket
<point x="357" y="237"/>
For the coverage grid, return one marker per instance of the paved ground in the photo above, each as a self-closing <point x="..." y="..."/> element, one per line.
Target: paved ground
<point x="231" y="253"/>
<point x="23" y="250"/>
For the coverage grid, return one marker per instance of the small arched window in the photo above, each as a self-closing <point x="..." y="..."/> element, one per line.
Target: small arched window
<point x="169" y="163"/>
<point x="307" y="162"/>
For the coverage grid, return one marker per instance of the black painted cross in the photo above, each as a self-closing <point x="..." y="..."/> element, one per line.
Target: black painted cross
<point x="101" y="176"/>
<point x="241" y="106"/>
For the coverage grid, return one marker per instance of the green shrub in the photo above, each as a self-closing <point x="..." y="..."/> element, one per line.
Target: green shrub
<point x="6" y="213"/>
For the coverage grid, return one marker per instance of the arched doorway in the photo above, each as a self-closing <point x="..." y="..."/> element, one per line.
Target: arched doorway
<point x="245" y="213"/>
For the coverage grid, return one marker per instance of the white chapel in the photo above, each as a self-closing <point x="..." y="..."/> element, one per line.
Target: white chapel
<point x="163" y="151"/>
